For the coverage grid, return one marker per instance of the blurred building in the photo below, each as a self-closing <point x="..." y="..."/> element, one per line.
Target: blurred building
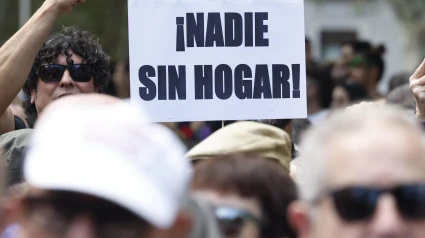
<point x="329" y="23"/>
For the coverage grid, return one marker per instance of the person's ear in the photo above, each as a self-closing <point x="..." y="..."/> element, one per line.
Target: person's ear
<point x="299" y="219"/>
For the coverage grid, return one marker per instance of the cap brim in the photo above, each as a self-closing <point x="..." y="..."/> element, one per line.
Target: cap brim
<point x="101" y="173"/>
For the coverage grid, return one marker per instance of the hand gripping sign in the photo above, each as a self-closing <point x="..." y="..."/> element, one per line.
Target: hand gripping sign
<point x="208" y="60"/>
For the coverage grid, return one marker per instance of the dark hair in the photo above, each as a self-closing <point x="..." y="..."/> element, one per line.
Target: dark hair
<point x="279" y="123"/>
<point x="141" y="226"/>
<point x="376" y="58"/>
<point x="251" y="177"/>
<point x="360" y="47"/>
<point x="307" y="41"/>
<point x="83" y="44"/>
<point x="355" y="91"/>
<point x="373" y="58"/>
<point x="313" y="79"/>
<point x="324" y="83"/>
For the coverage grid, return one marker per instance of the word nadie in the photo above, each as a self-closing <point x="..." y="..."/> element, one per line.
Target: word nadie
<point x="208" y="30"/>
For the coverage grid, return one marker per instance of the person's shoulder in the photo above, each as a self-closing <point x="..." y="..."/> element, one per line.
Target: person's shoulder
<point x="14" y="145"/>
<point x="19" y="123"/>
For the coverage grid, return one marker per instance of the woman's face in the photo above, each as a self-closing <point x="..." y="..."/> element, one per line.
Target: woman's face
<point x="249" y="228"/>
<point x="45" y="93"/>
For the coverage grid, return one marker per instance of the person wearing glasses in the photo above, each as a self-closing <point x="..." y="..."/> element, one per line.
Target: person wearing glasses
<point x="48" y="68"/>
<point x="362" y="176"/>
<point x="122" y="177"/>
<point x="249" y="195"/>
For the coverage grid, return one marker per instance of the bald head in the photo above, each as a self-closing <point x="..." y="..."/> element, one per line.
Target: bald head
<point x="348" y="165"/>
<point x="384" y="153"/>
<point x="374" y="140"/>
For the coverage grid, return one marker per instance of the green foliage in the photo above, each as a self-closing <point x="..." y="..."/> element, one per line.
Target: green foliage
<point x="8" y="19"/>
<point x="107" y="19"/>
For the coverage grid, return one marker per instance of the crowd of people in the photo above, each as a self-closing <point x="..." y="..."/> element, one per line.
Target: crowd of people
<point x="79" y="160"/>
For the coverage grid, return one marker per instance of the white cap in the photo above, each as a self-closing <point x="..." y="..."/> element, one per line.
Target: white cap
<point x="109" y="151"/>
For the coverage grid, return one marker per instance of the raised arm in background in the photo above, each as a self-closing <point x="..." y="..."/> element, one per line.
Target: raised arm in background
<point x="18" y="53"/>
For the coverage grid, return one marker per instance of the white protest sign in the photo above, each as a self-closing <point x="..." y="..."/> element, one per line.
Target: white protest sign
<point x="209" y="60"/>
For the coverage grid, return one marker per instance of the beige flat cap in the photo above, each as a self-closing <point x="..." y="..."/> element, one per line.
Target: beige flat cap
<point x="246" y="137"/>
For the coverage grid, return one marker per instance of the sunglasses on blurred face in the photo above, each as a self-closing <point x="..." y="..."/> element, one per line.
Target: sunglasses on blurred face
<point x="232" y="220"/>
<point x="55" y="214"/>
<point x="358" y="203"/>
<point x="52" y="73"/>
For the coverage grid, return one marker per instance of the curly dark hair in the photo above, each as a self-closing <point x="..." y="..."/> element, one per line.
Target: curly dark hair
<point x="83" y="44"/>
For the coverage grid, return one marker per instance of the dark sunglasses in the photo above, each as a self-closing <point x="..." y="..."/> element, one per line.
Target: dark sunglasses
<point x="52" y="73"/>
<point x="359" y="203"/>
<point x="55" y="214"/>
<point x="231" y="220"/>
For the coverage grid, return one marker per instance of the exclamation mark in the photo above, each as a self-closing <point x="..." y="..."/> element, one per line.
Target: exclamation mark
<point x="296" y="81"/>
<point x="180" y="34"/>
